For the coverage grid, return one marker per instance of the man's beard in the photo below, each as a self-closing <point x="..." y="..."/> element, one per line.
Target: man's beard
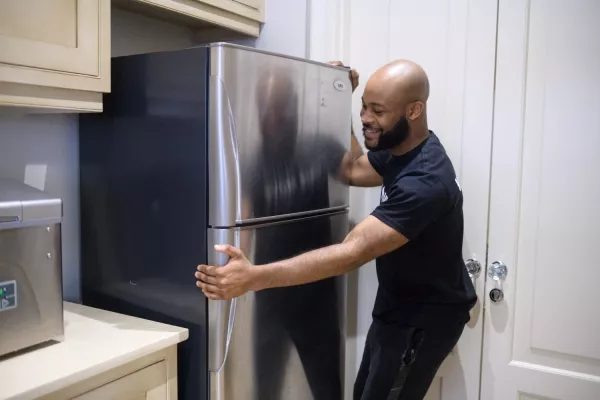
<point x="391" y="138"/>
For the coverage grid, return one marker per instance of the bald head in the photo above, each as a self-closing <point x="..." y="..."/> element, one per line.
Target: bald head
<point x="401" y="80"/>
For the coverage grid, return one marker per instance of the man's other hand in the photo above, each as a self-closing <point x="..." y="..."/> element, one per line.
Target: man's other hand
<point x="354" y="76"/>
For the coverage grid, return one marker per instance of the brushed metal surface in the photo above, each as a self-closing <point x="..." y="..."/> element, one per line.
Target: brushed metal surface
<point x="285" y="343"/>
<point x="24" y="259"/>
<point x="23" y="203"/>
<point x="274" y="115"/>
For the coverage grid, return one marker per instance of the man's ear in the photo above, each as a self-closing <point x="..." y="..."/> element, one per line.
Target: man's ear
<point x="415" y="110"/>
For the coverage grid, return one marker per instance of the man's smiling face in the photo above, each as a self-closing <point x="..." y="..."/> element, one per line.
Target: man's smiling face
<point x="382" y="114"/>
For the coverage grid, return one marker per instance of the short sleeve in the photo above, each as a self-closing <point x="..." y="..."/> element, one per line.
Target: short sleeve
<point x="378" y="160"/>
<point x="413" y="203"/>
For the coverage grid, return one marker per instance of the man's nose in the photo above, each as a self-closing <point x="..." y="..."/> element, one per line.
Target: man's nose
<point x="366" y="118"/>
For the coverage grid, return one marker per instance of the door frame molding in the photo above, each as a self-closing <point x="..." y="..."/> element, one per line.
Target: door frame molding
<point x="328" y="24"/>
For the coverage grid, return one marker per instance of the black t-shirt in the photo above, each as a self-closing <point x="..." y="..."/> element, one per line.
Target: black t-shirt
<point x="424" y="281"/>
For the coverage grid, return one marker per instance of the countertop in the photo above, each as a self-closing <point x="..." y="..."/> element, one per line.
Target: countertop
<point x="95" y="341"/>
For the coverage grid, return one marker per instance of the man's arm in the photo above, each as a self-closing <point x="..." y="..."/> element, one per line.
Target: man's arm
<point x="355" y="148"/>
<point x="359" y="171"/>
<point x="367" y="241"/>
<point x="356" y="168"/>
<point x="352" y="167"/>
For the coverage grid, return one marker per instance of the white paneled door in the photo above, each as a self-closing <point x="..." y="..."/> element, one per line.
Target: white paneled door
<point x="542" y="340"/>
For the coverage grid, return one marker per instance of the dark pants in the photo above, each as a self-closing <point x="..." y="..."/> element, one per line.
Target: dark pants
<point x="400" y="362"/>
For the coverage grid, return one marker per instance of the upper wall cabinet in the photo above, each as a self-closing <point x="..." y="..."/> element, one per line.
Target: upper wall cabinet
<point x="218" y="19"/>
<point x="54" y="54"/>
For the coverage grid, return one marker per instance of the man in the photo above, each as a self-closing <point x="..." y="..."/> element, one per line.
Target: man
<point x="415" y="234"/>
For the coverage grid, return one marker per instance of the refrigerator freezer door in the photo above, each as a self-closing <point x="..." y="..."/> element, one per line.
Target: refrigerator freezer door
<point x="284" y="343"/>
<point x="278" y="130"/>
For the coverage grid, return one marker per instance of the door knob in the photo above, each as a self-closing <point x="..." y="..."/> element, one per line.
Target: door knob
<point x="496" y="295"/>
<point x="473" y="268"/>
<point x="497" y="271"/>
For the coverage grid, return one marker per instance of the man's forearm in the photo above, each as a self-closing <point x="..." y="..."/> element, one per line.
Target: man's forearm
<point x="355" y="148"/>
<point x="309" y="267"/>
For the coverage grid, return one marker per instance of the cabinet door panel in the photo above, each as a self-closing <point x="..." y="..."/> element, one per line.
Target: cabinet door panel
<point x="58" y="43"/>
<point x="251" y="9"/>
<point x="59" y="35"/>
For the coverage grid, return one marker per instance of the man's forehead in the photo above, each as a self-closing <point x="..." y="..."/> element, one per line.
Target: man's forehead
<point x="375" y="95"/>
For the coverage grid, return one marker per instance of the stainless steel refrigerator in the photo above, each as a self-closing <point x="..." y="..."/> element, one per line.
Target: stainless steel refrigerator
<point x="211" y="145"/>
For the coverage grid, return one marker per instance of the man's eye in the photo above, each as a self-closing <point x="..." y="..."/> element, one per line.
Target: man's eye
<point x="378" y="112"/>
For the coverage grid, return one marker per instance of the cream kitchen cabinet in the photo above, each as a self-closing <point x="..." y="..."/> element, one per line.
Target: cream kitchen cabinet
<point x="54" y="54"/>
<point x="252" y="9"/>
<point x="212" y="19"/>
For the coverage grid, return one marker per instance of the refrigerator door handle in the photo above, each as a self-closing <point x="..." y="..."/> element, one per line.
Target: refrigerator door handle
<point x="221" y="313"/>
<point x="219" y="332"/>
<point x="223" y="158"/>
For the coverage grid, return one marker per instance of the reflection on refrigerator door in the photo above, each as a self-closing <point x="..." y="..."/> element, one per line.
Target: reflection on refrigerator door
<point x="284" y="343"/>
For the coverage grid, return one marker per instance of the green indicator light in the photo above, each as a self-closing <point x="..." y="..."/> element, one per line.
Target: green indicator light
<point x="1" y="292"/>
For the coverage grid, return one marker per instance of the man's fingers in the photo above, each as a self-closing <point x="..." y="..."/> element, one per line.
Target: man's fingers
<point x="206" y="278"/>
<point x="210" y="291"/>
<point x="213" y="296"/>
<point x="207" y="270"/>
<point x="229" y="250"/>
<point x="354" y="77"/>
<point x="208" y="288"/>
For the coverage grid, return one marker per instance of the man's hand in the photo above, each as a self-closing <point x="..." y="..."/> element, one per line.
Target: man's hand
<point x="353" y="74"/>
<point x="234" y="279"/>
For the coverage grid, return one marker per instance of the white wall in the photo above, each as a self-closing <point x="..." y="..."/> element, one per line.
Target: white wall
<point x="285" y="29"/>
<point x="136" y="34"/>
<point x="34" y="143"/>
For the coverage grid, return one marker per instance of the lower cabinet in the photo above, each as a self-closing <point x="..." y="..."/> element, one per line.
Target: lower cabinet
<point x="149" y="378"/>
<point x="148" y="383"/>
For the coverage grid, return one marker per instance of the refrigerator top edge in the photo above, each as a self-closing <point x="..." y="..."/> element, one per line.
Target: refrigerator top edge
<point x="271" y="53"/>
<point x="221" y="45"/>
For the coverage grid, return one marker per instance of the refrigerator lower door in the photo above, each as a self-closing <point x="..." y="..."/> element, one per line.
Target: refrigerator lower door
<point x="283" y="343"/>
